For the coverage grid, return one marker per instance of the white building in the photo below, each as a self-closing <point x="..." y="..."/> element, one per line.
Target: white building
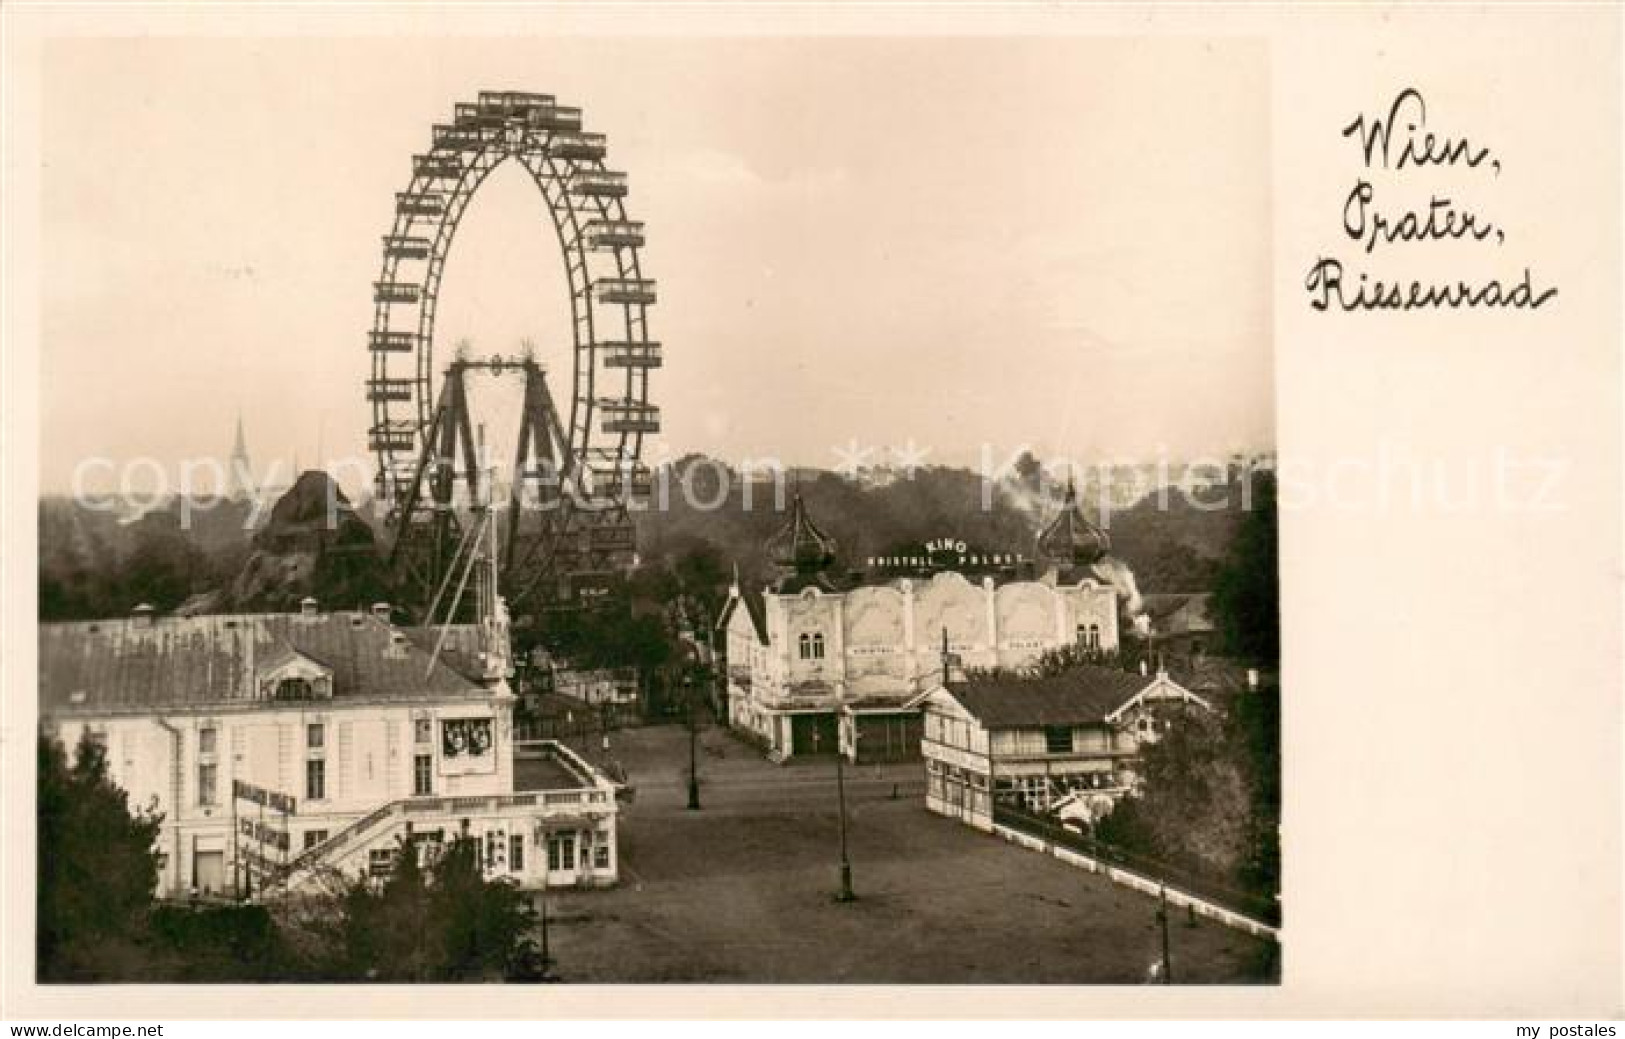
<point x="282" y="747"/>
<point x="812" y="666"/>
<point x="1030" y="742"/>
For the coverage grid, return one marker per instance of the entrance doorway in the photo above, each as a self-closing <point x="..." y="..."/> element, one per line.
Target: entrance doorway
<point x="561" y="857"/>
<point x="813" y="734"/>
<point x="209" y="871"/>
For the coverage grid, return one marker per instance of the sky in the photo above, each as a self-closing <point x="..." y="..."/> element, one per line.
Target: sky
<point x="946" y="242"/>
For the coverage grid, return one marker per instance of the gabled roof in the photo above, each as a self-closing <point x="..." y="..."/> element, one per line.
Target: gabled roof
<point x="1084" y="695"/>
<point x="751" y="602"/>
<point x="133" y="665"/>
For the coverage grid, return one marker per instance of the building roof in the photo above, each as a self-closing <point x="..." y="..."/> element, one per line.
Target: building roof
<point x="799" y="544"/>
<point x="754" y="608"/>
<point x="463" y="648"/>
<point x="1080" y="696"/>
<point x="1070" y="538"/>
<point x="1179" y="613"/>
<point x="144" y="664"/>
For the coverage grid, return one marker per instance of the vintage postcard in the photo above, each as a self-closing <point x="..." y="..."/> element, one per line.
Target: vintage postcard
<point x="1119" y="506"/>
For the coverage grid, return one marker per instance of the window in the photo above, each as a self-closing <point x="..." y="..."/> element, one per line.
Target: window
<point x="205" y="783"/>
<point x="423" y="731"/>
<point x="205" y="740"/>
<point x="600" y="856"/>
<point x="423" y="775"/>
<point x="516" y="853"/>
<point x="1057" y="739"/>
<point x="314" y="736"/>
<point x="818" y="646"/>
<point x="804" y="644"/>
<point x="380" y="861"/>
<point x="314" y="837"/>
<point x="294" y="689"/>
<point x="316" y="780"/>
<point x="493" y="843"/>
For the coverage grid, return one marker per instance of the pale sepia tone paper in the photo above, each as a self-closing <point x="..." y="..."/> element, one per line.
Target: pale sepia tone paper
<point x="1453" y="721"/>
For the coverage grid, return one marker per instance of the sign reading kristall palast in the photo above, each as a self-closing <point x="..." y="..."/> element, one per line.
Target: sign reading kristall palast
<point x="944" y="553"/>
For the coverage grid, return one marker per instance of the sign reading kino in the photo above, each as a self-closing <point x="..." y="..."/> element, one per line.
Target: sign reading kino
<point x="945" y="553"/>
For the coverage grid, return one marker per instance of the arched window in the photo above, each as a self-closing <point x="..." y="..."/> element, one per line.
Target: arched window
<point x="818" y="646"/>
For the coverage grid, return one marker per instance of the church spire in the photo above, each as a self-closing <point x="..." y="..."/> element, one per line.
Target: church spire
<point x="240" y="478"/>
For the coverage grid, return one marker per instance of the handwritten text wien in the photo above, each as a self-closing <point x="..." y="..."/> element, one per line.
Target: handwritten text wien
<point x="1400" y="150"/>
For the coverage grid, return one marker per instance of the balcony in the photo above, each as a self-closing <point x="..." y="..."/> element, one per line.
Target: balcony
<point x="390" y="389"/>
<point x="624" y="290"/>
<point x="419" y="203"/>
<point x="628" y="416"/>
<point x="598" y="184"/>
<point x="437" y="164"/>
<point x="407" y="247"/>
<point x="621" y="354"/>
<point x="613" y="234"/>
<point x="396" y="292"/>
<point x="579" y="146"/>
<point x="392" y="342"/>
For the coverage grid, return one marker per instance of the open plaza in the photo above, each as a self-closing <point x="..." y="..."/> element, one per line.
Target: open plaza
<point x="742" y="890"/>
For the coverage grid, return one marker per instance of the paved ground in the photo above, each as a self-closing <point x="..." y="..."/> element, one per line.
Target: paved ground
<point x="741" y="891"/>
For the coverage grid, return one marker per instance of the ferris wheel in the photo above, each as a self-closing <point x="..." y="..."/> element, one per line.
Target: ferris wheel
<point x="576" y="467"/>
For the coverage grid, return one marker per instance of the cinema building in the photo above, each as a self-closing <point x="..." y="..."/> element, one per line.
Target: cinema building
<point x="816" y="663"/>
<point x="283" y="749"/>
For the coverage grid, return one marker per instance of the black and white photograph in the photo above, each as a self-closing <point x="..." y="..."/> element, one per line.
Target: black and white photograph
<point x="807" y="530"/>
<point x="525" y="512"/>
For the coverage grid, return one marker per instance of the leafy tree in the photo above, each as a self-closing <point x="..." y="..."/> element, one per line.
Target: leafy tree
<point x="1246" y="592"/>
<point x="1209" y="799"/>
<point x="97" y="867"/>
<point x="445" y="923"/>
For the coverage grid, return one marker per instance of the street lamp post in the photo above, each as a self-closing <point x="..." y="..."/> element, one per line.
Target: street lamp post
<point x="693" y="739"/>
<point x="1162" y="921"/>
<point x="845" y="894"/>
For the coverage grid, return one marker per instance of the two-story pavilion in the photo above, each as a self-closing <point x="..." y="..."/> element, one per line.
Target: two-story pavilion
<point x="1029" y="741"/>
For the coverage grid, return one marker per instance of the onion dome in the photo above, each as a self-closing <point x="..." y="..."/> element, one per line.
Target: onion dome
<point x="1070" y="539"/>
<point x="799" y="545"/>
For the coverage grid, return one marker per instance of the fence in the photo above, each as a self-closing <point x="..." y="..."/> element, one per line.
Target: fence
<point x="1156" y="873"/>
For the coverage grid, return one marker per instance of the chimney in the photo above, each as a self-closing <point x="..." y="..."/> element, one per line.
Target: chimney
<point x="381" y="611"/>
<point x="141" y="616"/>
<point x="307" y="606"/>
